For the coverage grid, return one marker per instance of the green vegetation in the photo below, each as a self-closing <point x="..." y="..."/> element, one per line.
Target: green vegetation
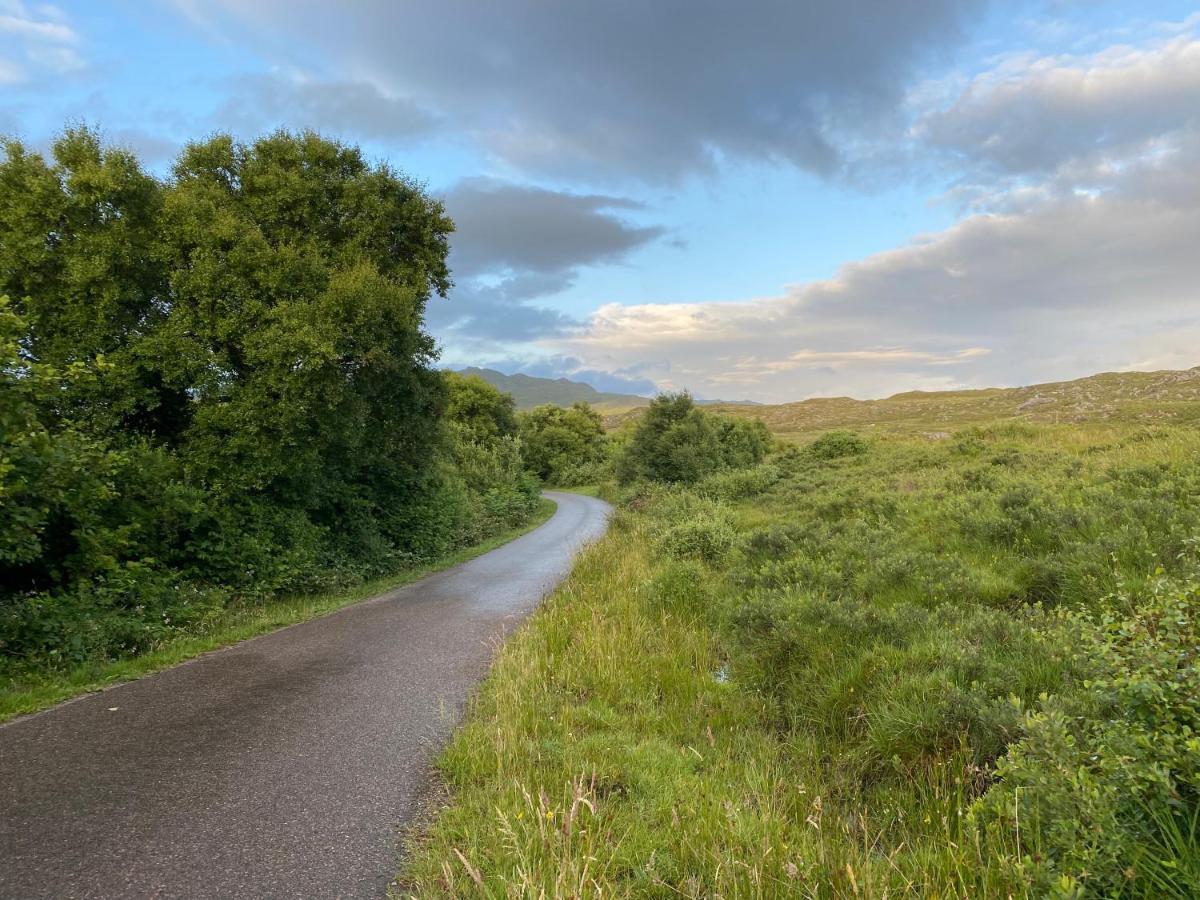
<point x="889" y="664"/>
<point x="1116" y="397"/>
<point x="38" y="688"/>
<point x="676" y="442"/>
<point x="216" y="391"/>
<point x="563" y="446"/>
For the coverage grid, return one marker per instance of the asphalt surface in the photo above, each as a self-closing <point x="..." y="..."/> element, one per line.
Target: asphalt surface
<point x="279" y="767"/>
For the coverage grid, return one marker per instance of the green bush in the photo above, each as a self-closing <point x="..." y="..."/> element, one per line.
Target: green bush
<point x="562" y="445"/>
<point x="837" y="444"/>
<point x="739" y="484"/>
<point x="1111" y="802"/>
<point x="675" y="442"/>
<point x="709" y="538"/>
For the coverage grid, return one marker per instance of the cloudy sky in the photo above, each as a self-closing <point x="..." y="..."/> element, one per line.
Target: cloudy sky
<point x="762" y="200"/>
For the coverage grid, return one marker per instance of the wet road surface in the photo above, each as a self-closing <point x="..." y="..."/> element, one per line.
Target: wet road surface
<point x="281" y="766"/>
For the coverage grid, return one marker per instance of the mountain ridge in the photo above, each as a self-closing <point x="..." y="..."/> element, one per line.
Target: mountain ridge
<point x="1168" y="395"/>
<point x="532" y="390"/>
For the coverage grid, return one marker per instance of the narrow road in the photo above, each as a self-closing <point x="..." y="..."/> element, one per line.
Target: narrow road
<point x="280" y="767"/>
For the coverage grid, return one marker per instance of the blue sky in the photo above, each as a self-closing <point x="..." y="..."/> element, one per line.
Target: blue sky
<point x="765" y="200"/>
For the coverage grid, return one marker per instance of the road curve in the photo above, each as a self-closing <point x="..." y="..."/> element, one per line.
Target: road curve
<point x="279" y="767"/>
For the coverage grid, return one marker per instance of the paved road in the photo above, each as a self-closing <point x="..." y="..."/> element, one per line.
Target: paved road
<point x="280" y="767"/>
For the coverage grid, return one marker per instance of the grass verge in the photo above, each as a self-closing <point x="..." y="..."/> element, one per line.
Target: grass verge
<point x="604" y="724"/>
<point x="31" y="692"/>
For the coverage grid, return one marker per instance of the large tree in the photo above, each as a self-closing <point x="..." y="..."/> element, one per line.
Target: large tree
<point x="222" y="375"/>
<point x="299" y="276"/>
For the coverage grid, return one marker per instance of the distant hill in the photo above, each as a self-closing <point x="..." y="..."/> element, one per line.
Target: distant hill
<point x="529" y="391"/>
<point x="1168" y="396"/>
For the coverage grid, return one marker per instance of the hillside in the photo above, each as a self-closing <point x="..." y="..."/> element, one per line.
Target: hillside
<point x="1168" y="396"/>
<point x="530" y="391"/>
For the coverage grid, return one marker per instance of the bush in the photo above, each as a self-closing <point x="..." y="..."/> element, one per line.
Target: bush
<point x="1111" y="802"/>
<point x="675" y="442"/>
<point x="740" y="483"/>
<point x="562" y="444"/>
<point x="836" y="445"/>
<point x="709" y="538"/>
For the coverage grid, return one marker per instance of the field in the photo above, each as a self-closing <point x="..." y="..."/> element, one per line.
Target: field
<point x="953" y="655"/>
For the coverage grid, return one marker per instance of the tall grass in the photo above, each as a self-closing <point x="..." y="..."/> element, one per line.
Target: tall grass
<point x="894" y="666"/>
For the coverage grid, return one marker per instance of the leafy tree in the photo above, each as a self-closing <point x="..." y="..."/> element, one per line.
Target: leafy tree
<point x="78" y="258"/>
<point x="485" y="412"/>
<point x="219" y="385"/>
<point x="677" y="442"/>
<point x="299" y="276"/>
<point x="559" y="440"/>
<point x="485" y="450"/>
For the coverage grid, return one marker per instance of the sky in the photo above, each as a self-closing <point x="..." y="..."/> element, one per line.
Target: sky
<point x="753" y="200"/>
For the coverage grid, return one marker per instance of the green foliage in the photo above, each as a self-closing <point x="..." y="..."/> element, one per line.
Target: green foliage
<point x="740" y="484"/>
<point x="563" y="445"/>
<point x="485" y="448"/>
<point x="963" y="666"/>
<point x="485" y="412"/>
<point x="708" y="536"/>
<point x="217" y="387"/>
<point x="1110" y="802"/>
<point x="836" y="444"/>
<point x="676" y="442"/>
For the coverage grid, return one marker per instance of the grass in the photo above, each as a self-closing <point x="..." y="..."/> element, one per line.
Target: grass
<point x="33" y="691"/>
<point x="897" y="664"/>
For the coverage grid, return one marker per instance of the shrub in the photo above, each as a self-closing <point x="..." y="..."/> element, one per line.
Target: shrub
<point x="1111" y="802"/>
<point x="739" y="484"/>
<point x="675" y="442"/>
<point x="709" y="538"/>
<point x="837" y="444"/>
<point x="562" y="444"/>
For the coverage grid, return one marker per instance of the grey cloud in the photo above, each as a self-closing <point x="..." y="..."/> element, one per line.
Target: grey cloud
<point x="654" y="90"/>
<point x="516" y="244"/>
<point x="351" y="107"/>
<point x="502" y="226"/>
<point x="483" y="313"/>
<point x="1074" y="285"/>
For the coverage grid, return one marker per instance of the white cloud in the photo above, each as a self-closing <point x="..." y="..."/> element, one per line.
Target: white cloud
<point x="1081" y="255"/>
<point x="1077" y="285"/>
<point x="36" y="40"/>
<point x="47" y="25"/>
<point x="1080" y="118"/>
<point x="11" y="72"/>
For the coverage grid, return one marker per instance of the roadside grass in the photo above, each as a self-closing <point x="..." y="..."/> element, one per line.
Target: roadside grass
<point x="961" y="665"/>
<point x="27" y="691"/>
<point x="602" y="725"/>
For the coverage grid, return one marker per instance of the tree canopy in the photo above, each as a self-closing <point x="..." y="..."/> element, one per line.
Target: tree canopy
<point x="218" y="384"/>
<point x="560" y="440"/>
<point x="677" y="442"/>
